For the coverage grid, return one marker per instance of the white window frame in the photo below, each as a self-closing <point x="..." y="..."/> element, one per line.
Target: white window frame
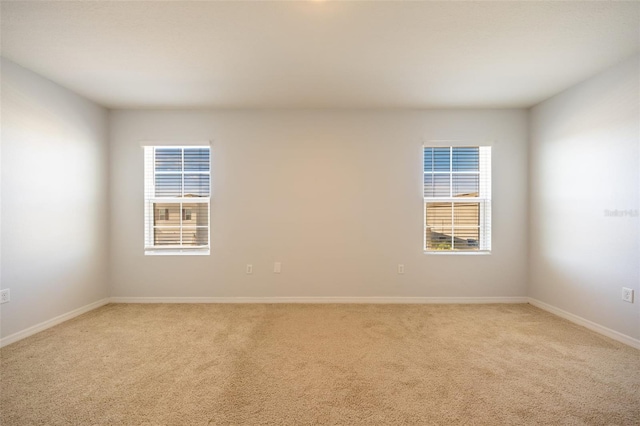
<point x="150" y="173"/>
<point x="484" y="199"/>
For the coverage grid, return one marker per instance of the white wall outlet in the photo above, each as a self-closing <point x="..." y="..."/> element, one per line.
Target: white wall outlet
<point x="400" y="268"/>
<point x="5" y="296"/>
<point x="249" y="268"/>
<point x="277" y="267"/>
<point x="627" y="294"/>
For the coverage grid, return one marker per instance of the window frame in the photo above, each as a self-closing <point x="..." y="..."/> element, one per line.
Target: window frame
<point x="150" y="199"/>
<point x="484" y="198"/>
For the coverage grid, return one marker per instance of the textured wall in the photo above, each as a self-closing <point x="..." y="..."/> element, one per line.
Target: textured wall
<point x="336" y="196"/>
<point x="54" y="200"/>
<point x="584" y="165"/>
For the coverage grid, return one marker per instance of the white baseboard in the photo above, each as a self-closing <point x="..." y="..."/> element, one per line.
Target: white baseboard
<point x="12" y="338"/>
<point x="615" y="335"/>
<point x="372" y="300"/>
<point x="623" y="338"/>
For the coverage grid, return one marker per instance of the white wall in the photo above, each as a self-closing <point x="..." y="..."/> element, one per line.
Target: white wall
<point x="333" y="195"/>
<point x="54" y="236"/>
<point x="584" y="160"/>
<point x="336" y="196"/>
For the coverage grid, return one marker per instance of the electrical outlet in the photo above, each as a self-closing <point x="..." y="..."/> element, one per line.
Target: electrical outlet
<point x="277" y="267"/>
<point x="249" y="268"/>
<point x="400" y="268"/>
<point x="627" y="294"/>
<point x="5" y="296"/>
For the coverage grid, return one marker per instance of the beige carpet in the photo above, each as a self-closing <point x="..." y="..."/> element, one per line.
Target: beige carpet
<point x="319" y="364"/>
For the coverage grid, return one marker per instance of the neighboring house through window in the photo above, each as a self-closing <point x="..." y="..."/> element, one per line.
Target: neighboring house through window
<point x="177" y="199"/>
<point x="457" y="199"/>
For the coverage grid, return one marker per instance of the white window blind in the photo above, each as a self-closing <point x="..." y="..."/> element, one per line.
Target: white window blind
<point x="457" y="198"/>
<point x="177" y="191"/>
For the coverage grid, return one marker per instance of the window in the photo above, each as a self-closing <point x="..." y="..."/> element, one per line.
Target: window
<point x="457" y="199"/>
<point x="162" y="214"/>
<point x="177" y="188"/>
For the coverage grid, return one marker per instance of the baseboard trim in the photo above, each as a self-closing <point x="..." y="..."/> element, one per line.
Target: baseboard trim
<point x="355" y="300"/>
<point x="623" y="338"/>
<point x="615" y="335"/>
<point x="12" y="338"/>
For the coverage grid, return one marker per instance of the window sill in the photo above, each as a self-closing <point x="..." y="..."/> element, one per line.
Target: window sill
<point x="458" y="253"/>
<point x="177" y="252"/>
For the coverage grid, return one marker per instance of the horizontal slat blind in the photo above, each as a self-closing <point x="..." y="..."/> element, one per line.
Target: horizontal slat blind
<point x="177" y="198"/>
<point x="457" y="198"/>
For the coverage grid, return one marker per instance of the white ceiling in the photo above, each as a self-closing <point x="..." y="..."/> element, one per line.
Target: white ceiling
<point x="318" y="54"/>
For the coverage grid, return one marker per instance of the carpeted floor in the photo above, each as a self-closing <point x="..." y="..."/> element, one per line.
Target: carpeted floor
<point x="319" y="364"/>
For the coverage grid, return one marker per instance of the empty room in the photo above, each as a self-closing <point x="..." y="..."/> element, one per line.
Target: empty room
<point x="320" y="213"/>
